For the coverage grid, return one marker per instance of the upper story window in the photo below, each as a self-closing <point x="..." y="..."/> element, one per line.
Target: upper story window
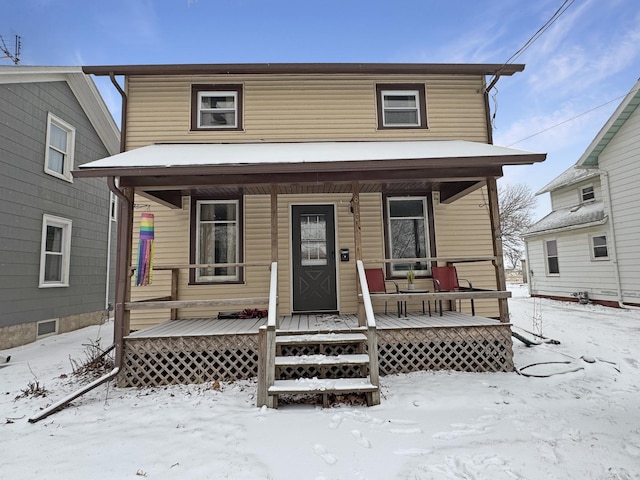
<point x="55" y="251"/>
<point x="216" y="239"/>
<point x="587" y="193"/>
<point x="216" y="107"/>
<point x="551" y="250"/>
<point x="401" y="105"/>
<point x="60" y="140"/>
<point x="408" y="233"/>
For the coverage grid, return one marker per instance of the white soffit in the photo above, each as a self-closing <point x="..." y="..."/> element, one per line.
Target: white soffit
<point x="178" y="155"/>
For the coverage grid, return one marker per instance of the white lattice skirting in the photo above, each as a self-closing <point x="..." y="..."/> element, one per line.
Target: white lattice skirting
<point x="199" y="359"/>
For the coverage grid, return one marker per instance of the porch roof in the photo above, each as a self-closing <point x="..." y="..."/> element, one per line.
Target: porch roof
<point x="454" y="152"/>
<point x="453" y="167"/>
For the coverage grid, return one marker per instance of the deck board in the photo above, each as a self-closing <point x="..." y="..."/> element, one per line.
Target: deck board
<point x="307" y="322"/>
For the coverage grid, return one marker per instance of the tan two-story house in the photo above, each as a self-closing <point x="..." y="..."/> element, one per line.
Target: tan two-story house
<point x="317" y="172"/>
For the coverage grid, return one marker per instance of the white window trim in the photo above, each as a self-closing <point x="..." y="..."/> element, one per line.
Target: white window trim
<point x="582" y="189"/>
<point x="425" y="218"/>
<point x="592" y="247"/>
<point x="69" y="154"/>
<point x="546" y="258"/>
<point x="218" y="93"/>
<point x="217" y="278"/>
<point x="416" y="95"/>
<point x="66" y="225"/>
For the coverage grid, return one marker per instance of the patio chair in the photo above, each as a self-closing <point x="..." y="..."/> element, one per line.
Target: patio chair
<point x="445" y="279"/>
<point x="378" y="284"/>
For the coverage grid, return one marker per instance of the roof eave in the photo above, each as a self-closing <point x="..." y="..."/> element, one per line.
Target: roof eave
<point x="631" y="101"/>
<point x="338" y="166"/>
<point x="307" y="68"/>
<point x="567" y="228"/>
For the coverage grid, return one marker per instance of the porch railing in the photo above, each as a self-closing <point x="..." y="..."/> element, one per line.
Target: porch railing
<point x="267" y="344"/>
<point x="372" y="334"/>
<point x="475" y="294"/>
<point x="171" y="301"/>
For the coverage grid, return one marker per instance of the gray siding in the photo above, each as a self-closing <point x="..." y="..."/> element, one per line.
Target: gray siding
<point x="27" y="193"/>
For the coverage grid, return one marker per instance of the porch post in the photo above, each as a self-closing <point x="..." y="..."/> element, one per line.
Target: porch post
<point x="274" y="223"/>
<point x="123" y="272"/>
<point x="274" y="232"/>
<point x="496" y="237"/>
<point x="357" y="237"/>
<point x="357" y="229"/>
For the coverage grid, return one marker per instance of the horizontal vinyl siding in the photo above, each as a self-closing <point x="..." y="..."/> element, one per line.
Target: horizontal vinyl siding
<point x="577" y="271"/>
<point x="571" y="196"/>
<point x="463" y="229"/>
<point x="172" y="240"/>
<point x="621" y="158"/>
<point x="302" y="108"/>
<point x="27" y="193"/>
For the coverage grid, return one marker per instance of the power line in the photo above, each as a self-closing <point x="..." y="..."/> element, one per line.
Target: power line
<point x="571" y="119"/>
<point x="563" y="8"/>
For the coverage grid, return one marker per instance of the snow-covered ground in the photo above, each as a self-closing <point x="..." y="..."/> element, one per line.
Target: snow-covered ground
<point x="572" y="420"/>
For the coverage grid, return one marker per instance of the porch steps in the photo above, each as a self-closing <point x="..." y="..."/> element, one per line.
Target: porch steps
<point x="320" y="338"/>
<point x="309" y="357"/>
<point x="322" y="360"/>
<point x="322" y="385"/>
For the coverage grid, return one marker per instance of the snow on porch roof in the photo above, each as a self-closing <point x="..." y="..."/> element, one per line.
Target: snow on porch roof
<point x="185" y="155"/>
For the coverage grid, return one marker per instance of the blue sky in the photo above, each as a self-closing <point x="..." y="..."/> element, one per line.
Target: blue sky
<point x="589" y="57"/>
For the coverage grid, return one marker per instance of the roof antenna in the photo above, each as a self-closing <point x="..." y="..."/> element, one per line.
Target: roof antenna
<point x="15" y="55"/>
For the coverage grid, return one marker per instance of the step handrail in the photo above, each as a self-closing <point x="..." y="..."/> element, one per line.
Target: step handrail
<point x="272" y="312"/>
<point x="373" y="398"/>
<point x="366" y="296"/>
<point x="267" y="344"/>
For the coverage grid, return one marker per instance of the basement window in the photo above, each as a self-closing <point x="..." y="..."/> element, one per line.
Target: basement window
<point x="47" y="327"/>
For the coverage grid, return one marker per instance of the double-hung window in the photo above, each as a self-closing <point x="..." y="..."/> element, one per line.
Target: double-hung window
<point x="55" y="251"/>
<point x="551" y="250"/>
<point x="216" y="107"/>
<point x="408" y="233"/>
<point x="217" y="240"/>
<point x="60" y="141"/>
<point x="587" y="193"/>
<point x="599" y="250"/>
<point x="401" y="106"/>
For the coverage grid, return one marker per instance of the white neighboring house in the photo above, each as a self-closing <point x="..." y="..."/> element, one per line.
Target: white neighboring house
<point x="589" y="245"/>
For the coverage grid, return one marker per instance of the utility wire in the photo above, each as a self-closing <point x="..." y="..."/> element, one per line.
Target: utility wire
<point x="572" y="118"/>
<point x="563" y="8"/>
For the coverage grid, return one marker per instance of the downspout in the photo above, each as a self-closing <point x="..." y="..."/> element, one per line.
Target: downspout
<point x="123" y="112"/>
<point x="612" y="232"/>
<point x="487" y="110"/>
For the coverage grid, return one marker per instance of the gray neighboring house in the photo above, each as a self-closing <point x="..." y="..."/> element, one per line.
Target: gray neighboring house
<point x="588" y="247"/>
<point x="55" y="231"/>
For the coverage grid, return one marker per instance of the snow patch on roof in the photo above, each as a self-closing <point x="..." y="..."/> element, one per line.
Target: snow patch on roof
<point x="570" y="176"/>
<point x="585" y="213"/>
<point x="192" y="154"/>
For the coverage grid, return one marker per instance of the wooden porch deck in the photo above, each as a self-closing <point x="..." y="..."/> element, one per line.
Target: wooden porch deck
<point x="207" y="349"/>
<point x="308" y="322"/>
